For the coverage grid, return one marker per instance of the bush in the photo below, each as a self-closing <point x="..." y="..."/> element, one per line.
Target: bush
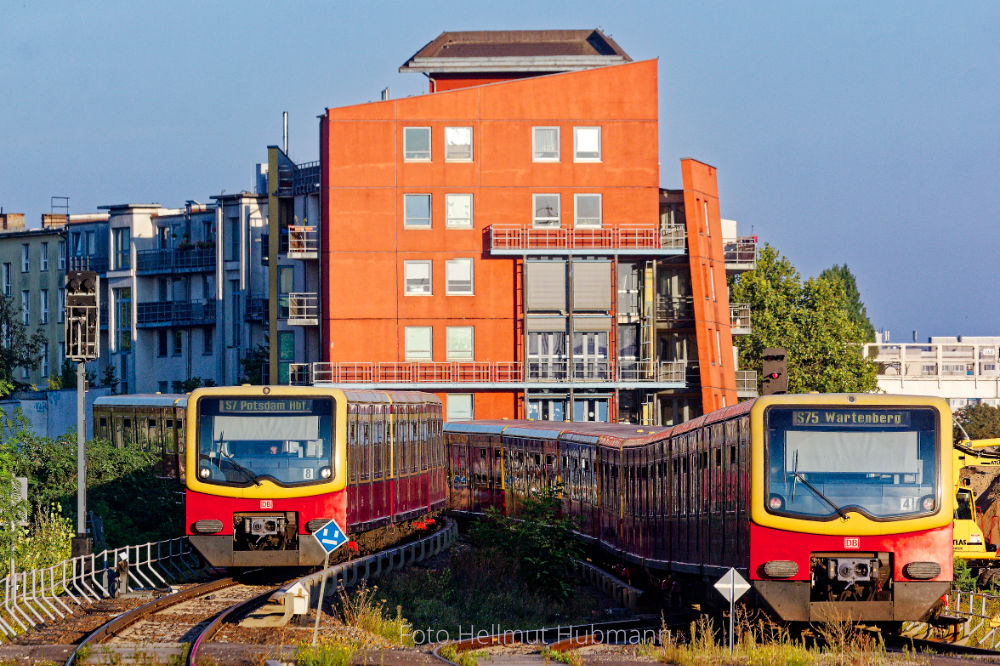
<point x="540" y="539"/>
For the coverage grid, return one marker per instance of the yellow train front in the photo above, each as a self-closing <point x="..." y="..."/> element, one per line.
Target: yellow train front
<point x="831" y="506"/>
<point x="269" y="466"/>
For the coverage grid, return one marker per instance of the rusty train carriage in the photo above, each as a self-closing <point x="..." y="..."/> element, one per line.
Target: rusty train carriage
<point x="153" y="422"/>
<point x="690" y="500"/>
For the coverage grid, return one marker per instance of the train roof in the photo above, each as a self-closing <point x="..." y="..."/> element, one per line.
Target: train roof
<point x="611" y="434"/>
<point x="144" y="400"/>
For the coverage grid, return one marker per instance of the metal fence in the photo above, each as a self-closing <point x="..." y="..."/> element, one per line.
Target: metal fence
<point x="971" y="619"/>
<point x="41" y="595"/>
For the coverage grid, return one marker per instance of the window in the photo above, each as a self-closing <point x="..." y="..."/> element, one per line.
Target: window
<point x="25" y="257"/>
<point x="417" y="144"/>
<point x="545" y="144"/>
<point x="43" y="307"/>
<point x="6" y="280"/>
<point x="208" y="341"/>
<point x="457" y="144"/>
<point x="26" y="307"/>
<point x="418" y="343"/>
<point x="587" y="211"/>
<point x="161" y="387"/>
<point x="45" y="359"/>
<point x="232" y="239"/>
<point x="161" y="346"/>
<point x="176" y="386"/>
<point x="123" y="241"/>
<point x="546" y="210"/>
<point x="208" y="230"/>
<point x="458" y="211"/>
<point x="586" y="144"/>
<point x="61" y="315"/>
<point x="91" y="243"/>
<point x="285" y="285"/>
<point x="459" y="341"/>
<point x="163" y="238"/>
<point x="62" y="352"/>
<point x="417" y="276"/>
<point x="417" y="211"/>
<point x="460" y="407"/>
<point x="43" y="262"/>
<point x="178" y="343"/>
<point x="123" y="319"/>
<point x="458" y="277"/>
<point x="61" y="261"/>
<point x="236" y="304"/>
<point x="77" y="242"/>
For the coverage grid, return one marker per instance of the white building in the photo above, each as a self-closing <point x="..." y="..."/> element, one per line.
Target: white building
<point x="963" y="369"/>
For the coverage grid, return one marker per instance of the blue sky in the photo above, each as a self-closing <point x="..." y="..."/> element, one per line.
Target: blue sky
<point x="844" y="132"/>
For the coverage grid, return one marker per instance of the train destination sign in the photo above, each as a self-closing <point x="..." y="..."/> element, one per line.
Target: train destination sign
<point x="266" y="406"/>
<point x="850" y="418"/>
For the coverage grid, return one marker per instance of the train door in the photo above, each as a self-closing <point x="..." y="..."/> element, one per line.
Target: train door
<point x="401" y="459"/>
<point x="495" y="452"/>
<point x="480" y="473"/>
<point x="458" y="473"/>
<point x="353" y="469"/>
<point x="423" y="464"/>
<point x="515" y="472"/>
<point x="440" y="496"/>
<point x="380" y="463"/>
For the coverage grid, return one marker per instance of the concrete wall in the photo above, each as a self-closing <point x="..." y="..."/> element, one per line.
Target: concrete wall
<point x="52" y="413"/>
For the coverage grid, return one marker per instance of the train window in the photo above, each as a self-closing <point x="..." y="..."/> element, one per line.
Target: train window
<point x="718" y="457"/>
<point x="538" y="459"/>
<point x="548" y="461"/>
<point x="151" y="423"/>
<point x="482" y="453"/>
<point x="104" y="422"/>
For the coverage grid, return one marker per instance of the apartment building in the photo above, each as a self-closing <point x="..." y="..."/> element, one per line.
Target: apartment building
<point x="33" y="274"/>
<point x="504" y="241"/>
<point x="177" y="289"/>
<point x="964" y="370"/>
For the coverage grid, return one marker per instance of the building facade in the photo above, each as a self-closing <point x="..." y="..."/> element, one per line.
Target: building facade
<point x="504" y="241"/>
<point x="964" y="370"/>
<point x="33" y="274"/>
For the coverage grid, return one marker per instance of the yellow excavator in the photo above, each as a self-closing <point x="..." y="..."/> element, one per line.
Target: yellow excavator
<point x="969" y="542"/>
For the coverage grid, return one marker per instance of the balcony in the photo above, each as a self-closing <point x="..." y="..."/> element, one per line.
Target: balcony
<point x="740" y="253"/>
<point x="298" y="179"/>
<point x="746" y="383"/>
<point x="257" y="309"/>
<point x="89" y="263"/>
<point x="191" y="260"/>
<point x="486" y="375"/>
<point x="517" y="240"/>
<point x="303" y="242"/>
<point x="176" y="313"/>
<point x="674" y="310"/>
<point x="739" y="318"/>
<point x="303" y="309"/>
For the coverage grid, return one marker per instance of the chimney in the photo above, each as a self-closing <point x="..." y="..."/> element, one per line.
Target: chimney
<point x="12" y="221"/>
<point x="54" y="220"/>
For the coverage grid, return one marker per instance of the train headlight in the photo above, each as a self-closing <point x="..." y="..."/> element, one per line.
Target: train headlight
<point x="204" y="472"/>
<point x="927" y="503"/>
<point x="776" y="503"/>
<point x="325" y="472"/>
<point x="208" y="526"/>
<point x="922" y="570"/>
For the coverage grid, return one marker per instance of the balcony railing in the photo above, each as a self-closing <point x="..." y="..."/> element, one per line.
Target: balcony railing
<point x="303" y="309"/>
<point x="88" y="263"/>
<point x="674" y="309"/>
<point x="303" y="242"/>
<point x="739" y="318"/>
<point x="195" y="259"/>
<point x="740" y="253"/>
<point x="514" y="237"/>
<point x="176" y="313"/>
<point x="299" y="179"/>
<point x="746" y="383"/>
<point x="485" y="372"/>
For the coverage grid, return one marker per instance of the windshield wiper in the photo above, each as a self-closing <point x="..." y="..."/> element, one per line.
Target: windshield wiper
<point x="240" y="468"/>
<point x="796" y="475"/>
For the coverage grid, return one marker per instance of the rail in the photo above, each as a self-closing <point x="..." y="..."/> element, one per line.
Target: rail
<point x="303" y="308"/>
<point x="40" y="595"/>
<point x="176" y="259"/>
<point x="637" y="237"/>
<point x="493" y="372"/>
<point x="740" y="253"/>
<point x="295" y="598"/>
<point x="970" y="620"/>
<point x="303" y="242"/>
<point x="175" y="313"/>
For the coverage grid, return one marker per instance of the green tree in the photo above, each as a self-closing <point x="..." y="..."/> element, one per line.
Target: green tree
<point x="980" y="421"/>
<point x="811" y="321"/>
<point x="19" y="348"/>
<point x="855" y="308"/>
<point x="253" y="365"/>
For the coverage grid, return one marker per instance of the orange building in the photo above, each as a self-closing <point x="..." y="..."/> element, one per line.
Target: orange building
<point x="504" y="240"/>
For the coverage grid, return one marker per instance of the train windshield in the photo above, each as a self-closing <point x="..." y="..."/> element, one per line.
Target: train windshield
<point x="826" y="462"/>
<point x="244" y="440"/>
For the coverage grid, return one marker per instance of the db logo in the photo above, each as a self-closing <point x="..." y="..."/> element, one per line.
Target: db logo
<point x="849" y="542"/>
<point x="269" y="504"/>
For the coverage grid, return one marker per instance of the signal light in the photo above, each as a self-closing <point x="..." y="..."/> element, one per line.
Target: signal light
<point x="82" y="315"/>
<point x="774" y="371"/>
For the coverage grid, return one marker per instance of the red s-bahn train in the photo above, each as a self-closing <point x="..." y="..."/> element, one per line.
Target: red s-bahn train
<point x="832" y="506"/>
<point x="266" y="466"/>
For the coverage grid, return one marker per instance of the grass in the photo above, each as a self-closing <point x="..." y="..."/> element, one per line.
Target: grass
<point x="480" y="589"/>
<point x="328" y="651"/>
<point x="840" y="643"/>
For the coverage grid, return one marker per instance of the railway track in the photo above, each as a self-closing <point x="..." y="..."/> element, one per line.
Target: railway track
<point x="181" y="621"/>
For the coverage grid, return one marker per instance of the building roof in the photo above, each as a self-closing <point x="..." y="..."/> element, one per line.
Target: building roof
<point x="516" y="50"/>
